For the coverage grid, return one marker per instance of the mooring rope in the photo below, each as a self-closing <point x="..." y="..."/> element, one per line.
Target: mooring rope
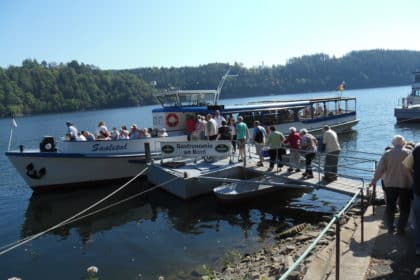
<point x="68" y="220"/>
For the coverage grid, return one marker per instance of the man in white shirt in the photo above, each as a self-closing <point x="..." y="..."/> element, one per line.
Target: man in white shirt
<point x="71" y="131"/>
<point x="218" y="118"/>
<point x="332" y="150"/>
<point x="80" y="137"/>
<point x="211" y="128"/>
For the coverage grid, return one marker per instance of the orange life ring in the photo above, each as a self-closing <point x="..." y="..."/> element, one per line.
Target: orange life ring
<point x="172" y="120"/>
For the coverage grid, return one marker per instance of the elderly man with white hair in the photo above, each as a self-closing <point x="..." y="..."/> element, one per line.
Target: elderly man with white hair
<point x="332" y="151"/>
<point x="397" y="184"/>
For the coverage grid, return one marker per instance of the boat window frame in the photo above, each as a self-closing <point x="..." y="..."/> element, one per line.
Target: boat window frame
<point x="250" y="116"/>
<point x="162" y="100"/>
<point x="332" y="107"/>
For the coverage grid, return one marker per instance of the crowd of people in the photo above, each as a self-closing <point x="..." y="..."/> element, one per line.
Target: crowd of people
<point x="103" y="133"/>
<point x="268" y="141"/>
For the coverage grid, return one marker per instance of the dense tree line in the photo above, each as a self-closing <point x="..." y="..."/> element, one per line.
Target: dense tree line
<point x="42" y="88"/>
<point x="49" y="87"/>
<point x="319" y="72"/>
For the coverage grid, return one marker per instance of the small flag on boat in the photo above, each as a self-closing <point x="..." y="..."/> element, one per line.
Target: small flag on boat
<point x="341" y="86"/>
<point x="14" y="123"/>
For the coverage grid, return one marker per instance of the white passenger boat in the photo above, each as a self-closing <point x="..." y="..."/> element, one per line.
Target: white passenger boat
<point x="409" y="107"/>
<point x="69" y="163"/>
<point x="64" y="164"/>
<point x="312" y="114"/>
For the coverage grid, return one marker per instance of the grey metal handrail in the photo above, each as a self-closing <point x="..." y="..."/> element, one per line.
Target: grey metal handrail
<point x="335" y="219"/>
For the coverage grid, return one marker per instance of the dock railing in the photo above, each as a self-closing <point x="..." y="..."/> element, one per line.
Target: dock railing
<point x="357" y="166"/>
<point x="334" y="221"/>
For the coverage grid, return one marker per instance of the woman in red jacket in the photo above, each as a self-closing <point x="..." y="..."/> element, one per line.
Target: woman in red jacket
<point x="293" y="139"/>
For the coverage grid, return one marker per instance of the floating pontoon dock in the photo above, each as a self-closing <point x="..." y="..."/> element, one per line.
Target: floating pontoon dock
<point x="191" y="178"/>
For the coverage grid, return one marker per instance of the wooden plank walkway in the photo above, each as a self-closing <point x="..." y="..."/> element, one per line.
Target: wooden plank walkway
<point x="343" y="184"/>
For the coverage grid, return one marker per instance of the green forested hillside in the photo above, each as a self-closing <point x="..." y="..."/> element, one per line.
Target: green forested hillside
<point x="319" y="72"/>
<point x="42" y="88"/>
<point x="47" y="87"/>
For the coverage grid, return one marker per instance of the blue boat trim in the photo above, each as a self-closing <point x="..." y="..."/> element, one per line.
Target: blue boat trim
<point x="68" y="155"/>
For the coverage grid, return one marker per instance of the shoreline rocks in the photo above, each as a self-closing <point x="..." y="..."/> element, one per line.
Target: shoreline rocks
<point x="270" y="263"/>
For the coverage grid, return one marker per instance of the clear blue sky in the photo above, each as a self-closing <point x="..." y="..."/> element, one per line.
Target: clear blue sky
<point x="140" y="33"/>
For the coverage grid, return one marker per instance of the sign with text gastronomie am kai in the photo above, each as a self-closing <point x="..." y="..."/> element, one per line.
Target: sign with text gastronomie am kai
<point x="196" y="149"/>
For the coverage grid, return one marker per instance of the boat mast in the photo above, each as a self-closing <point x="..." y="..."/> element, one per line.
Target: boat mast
<point x="219" y="87"/>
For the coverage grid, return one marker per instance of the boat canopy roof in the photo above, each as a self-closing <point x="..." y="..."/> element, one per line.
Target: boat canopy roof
<point x="254" y="106"/>
<point x="231" y="109"/>
<point x="204" y="101"/>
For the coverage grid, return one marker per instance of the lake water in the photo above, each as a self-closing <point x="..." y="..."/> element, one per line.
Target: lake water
<point x="158" y="234"/>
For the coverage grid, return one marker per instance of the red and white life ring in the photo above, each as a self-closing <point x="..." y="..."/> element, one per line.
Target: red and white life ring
<point x="172" y="120"/>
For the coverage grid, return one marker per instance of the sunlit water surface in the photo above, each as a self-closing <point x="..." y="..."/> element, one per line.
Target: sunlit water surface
<point x="158" y="234"/>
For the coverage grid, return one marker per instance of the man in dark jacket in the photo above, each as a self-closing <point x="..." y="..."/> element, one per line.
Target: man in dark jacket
<point x="415" y="168"/>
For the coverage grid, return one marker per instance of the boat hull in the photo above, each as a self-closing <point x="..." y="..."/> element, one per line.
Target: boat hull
<point x="81" y="164"/>
<point x="339" y="124"/>
<point x="407" y="114"/>
<point x="55" y="171"/>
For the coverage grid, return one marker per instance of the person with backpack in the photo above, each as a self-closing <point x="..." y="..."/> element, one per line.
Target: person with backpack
<point x="259" y="136"/>
<point x="224" y="132"/>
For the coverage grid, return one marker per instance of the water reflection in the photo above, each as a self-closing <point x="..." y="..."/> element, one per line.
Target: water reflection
<point x="188" y="217"/>
<point x="408" y="125"/>
<point x="411" y="131"/>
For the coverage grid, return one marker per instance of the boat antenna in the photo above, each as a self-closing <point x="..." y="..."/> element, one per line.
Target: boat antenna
<point x="222" y="81"/>
<point x="13" y="124"/>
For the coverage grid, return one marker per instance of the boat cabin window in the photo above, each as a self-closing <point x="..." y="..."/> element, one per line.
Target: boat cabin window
<point x="169" y="100"/>
<point x="271" y="117"/>
<point x="306" y="113"/>
<point x="416" y="92"/>
<point x="197" y="99"/>
<point x="327" y="109"/>
<point x="189" y="100"/>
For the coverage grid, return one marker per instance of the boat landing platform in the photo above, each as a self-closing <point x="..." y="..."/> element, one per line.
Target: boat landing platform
<point x="186" y="178"/>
